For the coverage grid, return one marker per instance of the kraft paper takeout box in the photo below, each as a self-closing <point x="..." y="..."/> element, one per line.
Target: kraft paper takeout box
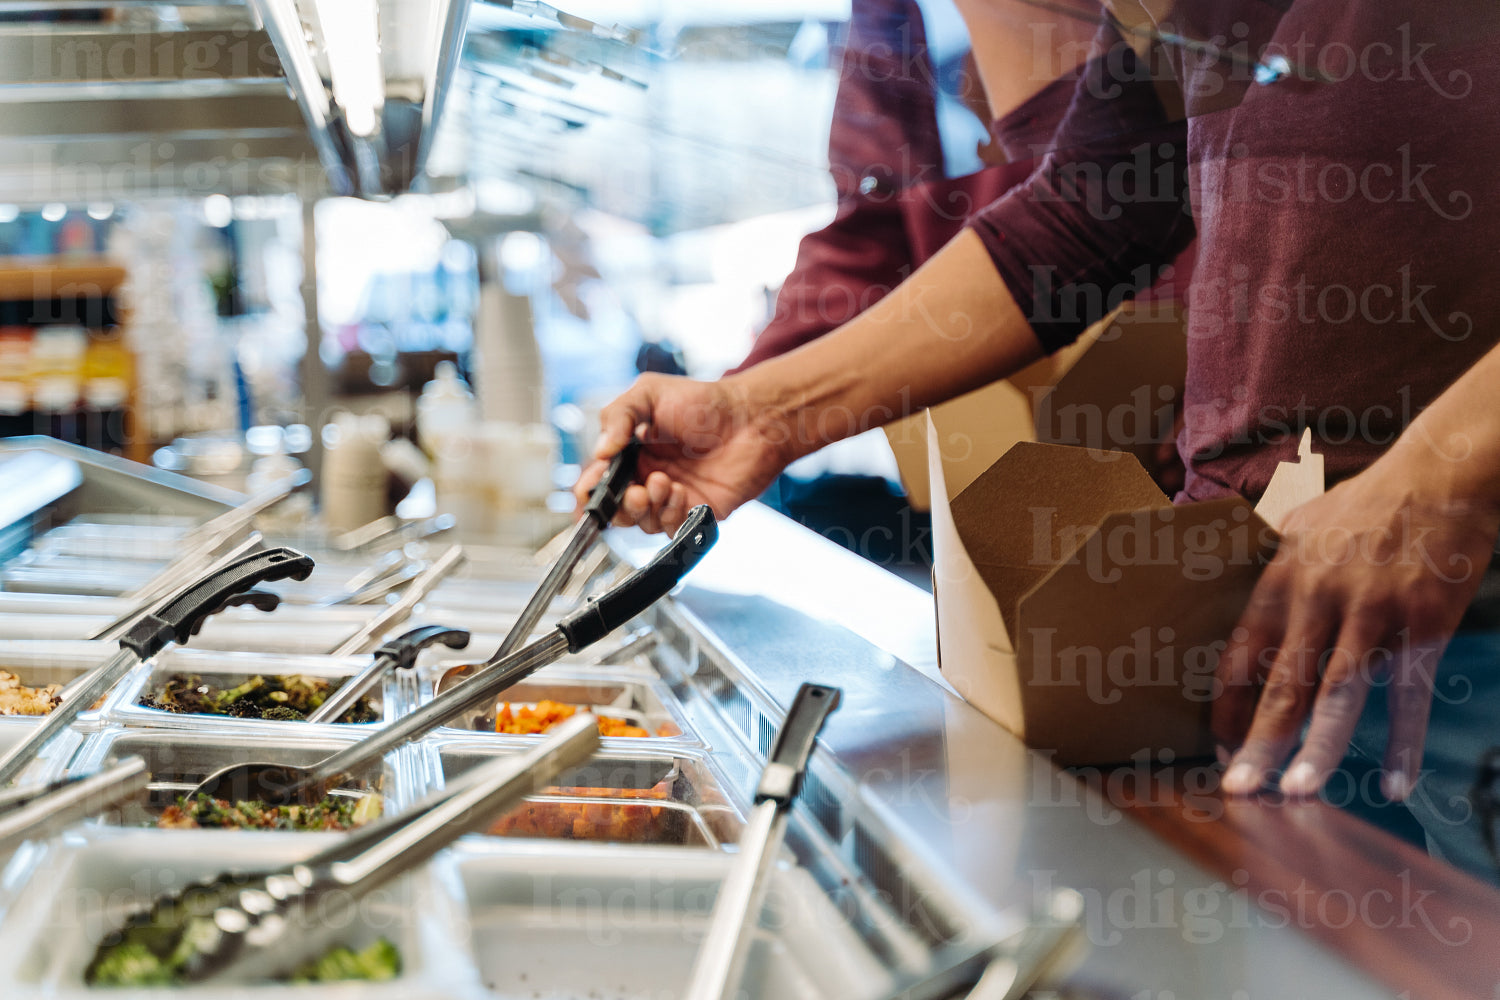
<point x="1082" y="610"/>
<point x="1115" y="388"/>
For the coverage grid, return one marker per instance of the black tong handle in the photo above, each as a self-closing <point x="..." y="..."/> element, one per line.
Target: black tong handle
<point x="782" y="778"/>
<point x="234" y="584"/>
<point x="646" y="585"/>
<point x="605" y="500"/>
<point x="402" y="651"/>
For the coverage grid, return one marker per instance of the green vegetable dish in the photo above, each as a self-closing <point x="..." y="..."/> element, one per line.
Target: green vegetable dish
<point x="284" y="697"/>
<point x="335" y="812"/>
<point x="130" y="958"/>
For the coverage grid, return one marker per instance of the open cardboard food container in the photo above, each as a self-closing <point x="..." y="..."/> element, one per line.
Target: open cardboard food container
<point x="1115" y="388"/>
<point x="1076" y="605"/>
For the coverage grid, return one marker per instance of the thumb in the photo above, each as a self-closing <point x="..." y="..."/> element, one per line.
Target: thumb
<point x="619" y="420"/>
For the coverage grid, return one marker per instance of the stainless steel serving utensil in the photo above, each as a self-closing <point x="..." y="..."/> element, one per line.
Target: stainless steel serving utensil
<point x="199" y="546"/>
<point x="267" y="925"/>
<point x="176" y="622"/>
<point x="398" y="654"/>
<point x="396" y="613"/>
<point x="597" y="514"/>
<point x="280" y="784"/>
<point x="386" y="530"/>
<point x="720" y="964"/>
<point x="1006" y="970"/>
<point x="354" y="590"/>
<point x="31" y="813"/>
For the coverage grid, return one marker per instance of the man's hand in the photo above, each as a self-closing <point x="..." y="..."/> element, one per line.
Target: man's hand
<point x="705" y="442"/>
<point x="1368" y="585"/>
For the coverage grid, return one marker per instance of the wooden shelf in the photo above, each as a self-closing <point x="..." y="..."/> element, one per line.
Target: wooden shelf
<point x="25" y="279"/>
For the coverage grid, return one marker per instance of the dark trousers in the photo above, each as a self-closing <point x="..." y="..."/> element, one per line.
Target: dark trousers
<point x="1464" y="724"/>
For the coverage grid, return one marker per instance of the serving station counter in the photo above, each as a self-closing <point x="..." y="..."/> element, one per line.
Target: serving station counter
<point x="926" y="836"/>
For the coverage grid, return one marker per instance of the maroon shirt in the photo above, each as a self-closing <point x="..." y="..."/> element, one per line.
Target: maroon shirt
<point x="1348" y="225"/>
<point x="895" y="206"/>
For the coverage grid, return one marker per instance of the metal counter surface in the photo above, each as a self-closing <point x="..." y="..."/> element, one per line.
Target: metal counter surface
<point x="794" y="607"/>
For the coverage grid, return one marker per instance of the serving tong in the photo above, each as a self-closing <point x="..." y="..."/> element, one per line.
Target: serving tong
<point x="401" y="609"/>
<point x="202" y="544"/>
<point x="177" y="621"/>
<point x="267" y="925"/>
<point x="282" y="784"/>
<point x="33" y="812"/>
<point x="720" y="964"/>
<point x="602" y="504"/>
<point x="1008" y="970"/>
<point x="400" y="654"/>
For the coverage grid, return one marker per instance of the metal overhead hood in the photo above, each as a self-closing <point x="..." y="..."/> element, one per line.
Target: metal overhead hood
<point x="369" y="77"/>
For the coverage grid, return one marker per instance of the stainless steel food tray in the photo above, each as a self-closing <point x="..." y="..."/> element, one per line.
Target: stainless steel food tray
<point x="606" y="921"/>
<point x="33" y="572"/>
<point x="636" y="697"/>
<point x="290" y="629"/>
<point x="40" y="662"/>
<point x="647" y="797"/>
<point x="391" y="698"/>
<point x="148" y="542"/>
<point x="178" y="760"/>
<point x="51" y="762"/>
<point x="82" y="885"/>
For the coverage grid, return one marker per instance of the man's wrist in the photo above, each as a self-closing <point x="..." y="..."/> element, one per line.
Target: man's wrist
<point x="770" y="405"/>
<point x="1458" y="470"/>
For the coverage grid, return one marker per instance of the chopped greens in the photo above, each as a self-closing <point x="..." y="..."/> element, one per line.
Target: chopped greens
<point x="335" y="812"/>
<point x="284" y="697"/>
<point x="127" y="958"/>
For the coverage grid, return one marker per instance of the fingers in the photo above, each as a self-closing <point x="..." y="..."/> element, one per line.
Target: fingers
<point x="1340" y="700"/>
<point x="619" y="420"/>
<point x="1238" y="673"/>
<point x="675" y="510"/>
<point x="1237" y="682"/>
<point x="1284" y="703"/>
<point x="658" y="489"/>
<point x="1409" y="700"/>
<point x="635" y="504"/>
<point x="587" y="480"/>
<point x="645" y="504"/>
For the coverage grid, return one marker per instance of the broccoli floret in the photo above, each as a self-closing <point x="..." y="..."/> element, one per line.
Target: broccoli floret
<point x="282" y="713"/>
<point x="129" y="963"/>
<point x="377" y="963"/>
<point x="223" y="699"/>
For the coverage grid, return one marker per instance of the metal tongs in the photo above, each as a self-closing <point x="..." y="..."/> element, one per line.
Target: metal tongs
<point x="721" y="960"/>
<point x="265" y="926"/>
<point x="401" y="609"/>
<point x="1008" y="970"/>
<point x="178" y="621"/>
<point x="597" y="513"/>
<point x="281" y="784"/>
<point x="35" y="812"/>
<point x="397" y="655"/>
<point x="199" y="546"/>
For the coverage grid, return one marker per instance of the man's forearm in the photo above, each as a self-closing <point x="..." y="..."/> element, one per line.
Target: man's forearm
<point x="951" y="327"/>
<point x="1454" y="444"/>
